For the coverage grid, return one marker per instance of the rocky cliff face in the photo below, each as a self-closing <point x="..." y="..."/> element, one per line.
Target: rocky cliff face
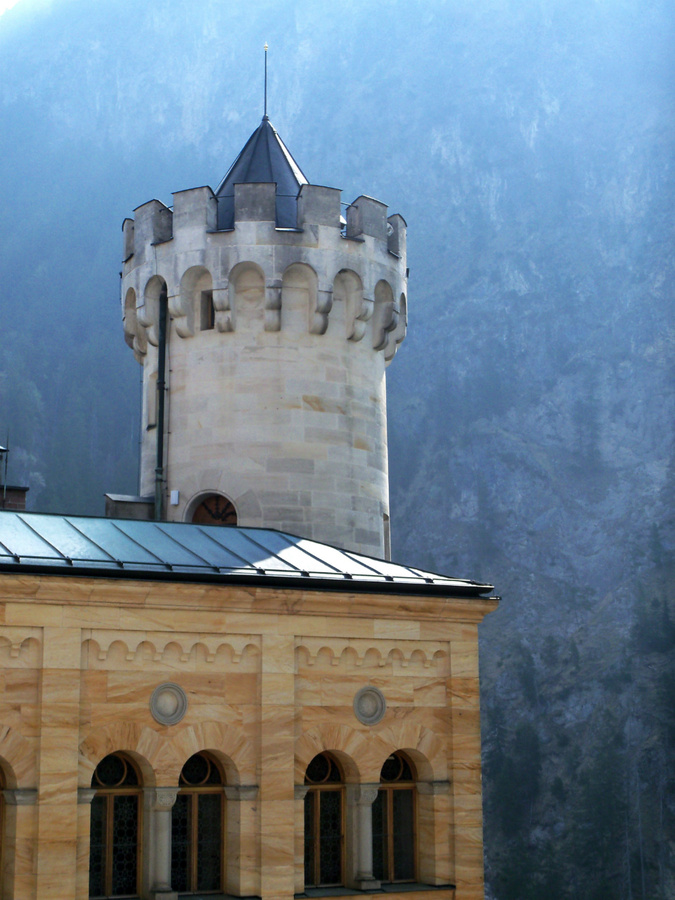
<point x="543" y="461"/>
<point x="530" y="147"/>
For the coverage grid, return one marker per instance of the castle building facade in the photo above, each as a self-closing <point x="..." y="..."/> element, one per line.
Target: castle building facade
<point x="272" y="709"/>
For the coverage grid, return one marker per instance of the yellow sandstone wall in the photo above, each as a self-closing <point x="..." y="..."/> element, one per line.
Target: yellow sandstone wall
<point x="270" y="677"/>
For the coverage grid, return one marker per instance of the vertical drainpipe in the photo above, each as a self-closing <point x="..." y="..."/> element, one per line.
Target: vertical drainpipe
<point x="161" y="366"/>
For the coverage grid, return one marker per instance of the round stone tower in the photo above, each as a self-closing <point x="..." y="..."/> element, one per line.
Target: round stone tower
<point x="264" y="321"/>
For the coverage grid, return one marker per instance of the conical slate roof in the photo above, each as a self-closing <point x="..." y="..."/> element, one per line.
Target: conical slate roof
<point x="265" y="158"/>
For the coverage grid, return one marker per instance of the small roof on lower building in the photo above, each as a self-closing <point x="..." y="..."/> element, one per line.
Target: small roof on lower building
<point x="41" y="543"/>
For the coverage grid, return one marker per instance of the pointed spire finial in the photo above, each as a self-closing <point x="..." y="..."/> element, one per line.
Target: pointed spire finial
<point x="265" y="113"/>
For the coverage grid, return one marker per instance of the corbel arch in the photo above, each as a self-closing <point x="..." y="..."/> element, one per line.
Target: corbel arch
<point x="400" y="331"/>
<point x="133" y="334"/>
<point x="193" y="308"/>
<point x="299" y="295"/>
<point x="148" y="312"/>
<point x="385" y="316"/>
<point x="247" y="297"/>
<point x="351" y="309"/>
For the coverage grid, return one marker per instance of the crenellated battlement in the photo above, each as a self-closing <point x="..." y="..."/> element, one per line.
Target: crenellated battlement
<point x="197" y="208"/>
<point x="172" y="245"/>
<point x="367" y="216"/>
<point x="319" y="205"/>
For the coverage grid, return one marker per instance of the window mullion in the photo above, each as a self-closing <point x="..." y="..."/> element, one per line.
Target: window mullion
<point x="343" y="835"/>
<point x="223" y="839"/>
<point x="390" y="834"/>
<point x="317" y="836"/>
<point x="194" y="836"/>
<point x="108" y="847"/>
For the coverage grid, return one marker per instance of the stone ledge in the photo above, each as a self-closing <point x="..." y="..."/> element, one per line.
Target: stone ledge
<point x="415" y="891"/>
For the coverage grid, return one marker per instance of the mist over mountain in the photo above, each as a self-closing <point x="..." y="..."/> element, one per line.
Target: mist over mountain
<point x="530" y="146"/>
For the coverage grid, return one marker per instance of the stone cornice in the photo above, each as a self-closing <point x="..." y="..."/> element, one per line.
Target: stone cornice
<point x="241" y="792"/>
<point x="84" y="591"/>
<point x="434" y="788"/>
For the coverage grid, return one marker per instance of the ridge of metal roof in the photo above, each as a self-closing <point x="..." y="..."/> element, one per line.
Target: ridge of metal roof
<point x="45" y="543"/>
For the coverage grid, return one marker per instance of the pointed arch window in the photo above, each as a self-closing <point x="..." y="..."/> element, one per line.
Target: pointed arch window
<point x="197" y="828"/>
<point x="324" y="823"/>
<point x="114" y="848"/>
<point x="394" y="833"/>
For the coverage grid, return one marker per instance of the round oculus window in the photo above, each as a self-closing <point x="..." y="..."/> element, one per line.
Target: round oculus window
<point x="369" y="705"/>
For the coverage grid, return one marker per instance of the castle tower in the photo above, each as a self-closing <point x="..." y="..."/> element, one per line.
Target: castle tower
<point x="276" y="318"/>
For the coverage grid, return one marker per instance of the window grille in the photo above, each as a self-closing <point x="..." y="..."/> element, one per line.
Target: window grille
<point x="324" y="823"/>
<point x="197" y="828"/>
<point x="394" y="837"/>
<point x="115" y="829"/>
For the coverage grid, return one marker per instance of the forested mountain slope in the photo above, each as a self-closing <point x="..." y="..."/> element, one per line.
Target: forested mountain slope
<point x="529" y="145"/>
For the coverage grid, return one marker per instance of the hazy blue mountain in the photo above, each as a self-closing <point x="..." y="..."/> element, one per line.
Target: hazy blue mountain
<point x="530" y="146"/>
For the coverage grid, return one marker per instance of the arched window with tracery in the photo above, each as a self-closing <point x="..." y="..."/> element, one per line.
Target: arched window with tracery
<point x="115" y="836"/>
<point x="324" y="823"/>
<point x="214" y="509"/>
<point x="394" y="834"/>
<point x="197" y="828"/>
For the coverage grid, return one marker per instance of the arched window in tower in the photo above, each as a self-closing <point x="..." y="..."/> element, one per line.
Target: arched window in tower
<point x="324" y="823"/>
<point x="394" y="836"/>
<point x="214" y="509"/>
<point x="207" y="311"/>
<point x="114" y="843"/>
<point x="197" y="828"/>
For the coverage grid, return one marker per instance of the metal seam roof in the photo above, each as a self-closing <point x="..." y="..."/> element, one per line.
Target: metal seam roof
<point x="43" y="543"/>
